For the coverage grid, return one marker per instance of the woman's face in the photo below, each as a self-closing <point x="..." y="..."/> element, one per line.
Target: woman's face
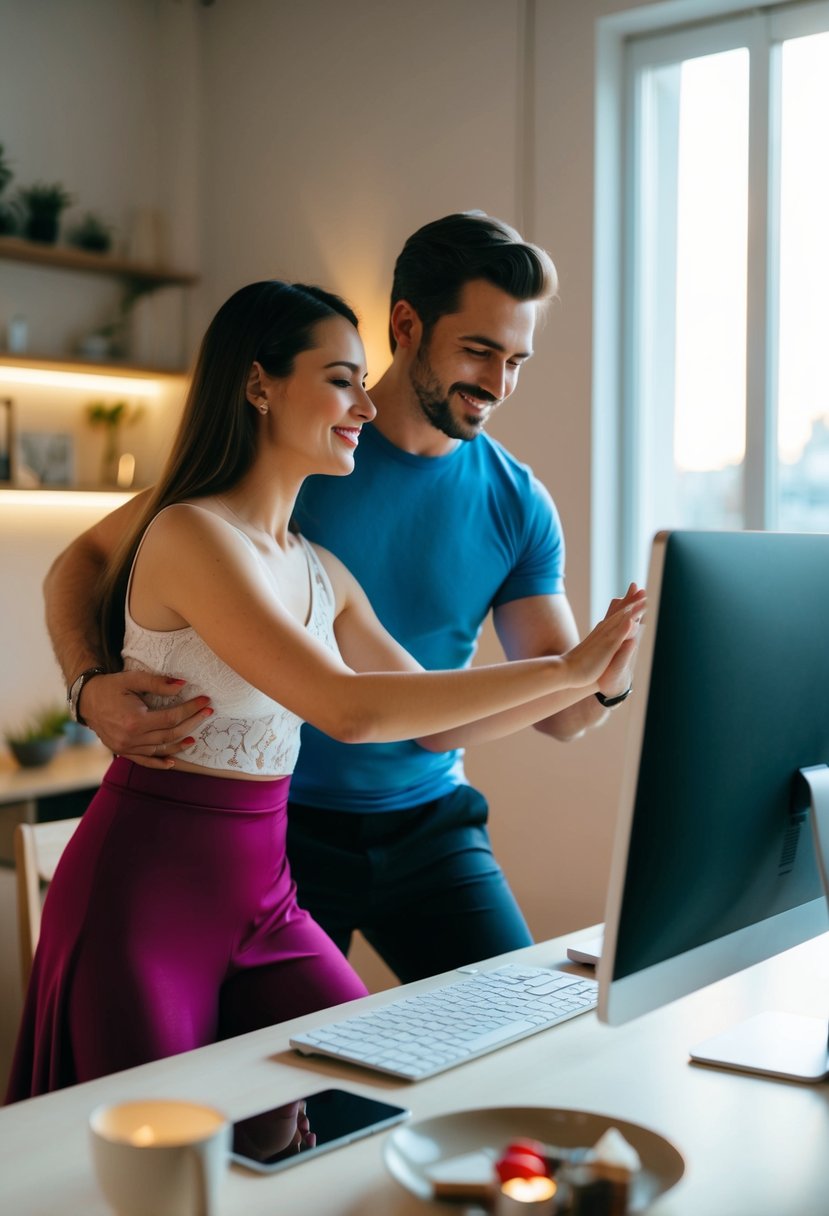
<point x="318" y="410"/>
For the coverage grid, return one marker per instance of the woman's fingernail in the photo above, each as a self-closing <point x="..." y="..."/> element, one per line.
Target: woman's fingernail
<point x="172" y="680"/>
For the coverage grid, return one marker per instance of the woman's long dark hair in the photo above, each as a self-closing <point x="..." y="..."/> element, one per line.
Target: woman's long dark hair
<point x="269" y="323"/>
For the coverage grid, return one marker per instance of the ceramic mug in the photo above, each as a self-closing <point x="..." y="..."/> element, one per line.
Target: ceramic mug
<point x="160" y="1157"/>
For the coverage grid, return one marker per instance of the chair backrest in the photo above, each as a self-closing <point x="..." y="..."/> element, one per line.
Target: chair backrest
<point x="37" y="851"/>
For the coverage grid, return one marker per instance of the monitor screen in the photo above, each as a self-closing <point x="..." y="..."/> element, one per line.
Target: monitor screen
<point x="714" y="864"/>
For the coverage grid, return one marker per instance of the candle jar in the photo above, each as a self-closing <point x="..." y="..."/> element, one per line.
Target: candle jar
<point x="526" y="1197"/>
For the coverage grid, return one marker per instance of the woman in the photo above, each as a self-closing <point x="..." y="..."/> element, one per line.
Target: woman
<point x="172" y="918"/>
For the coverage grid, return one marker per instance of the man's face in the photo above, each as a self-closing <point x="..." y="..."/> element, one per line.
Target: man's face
<point x="470" y="361"/>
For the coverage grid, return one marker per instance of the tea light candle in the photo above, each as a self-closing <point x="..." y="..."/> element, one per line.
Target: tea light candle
<point x="126" y="471"/>
<point x="526" y="1197"/>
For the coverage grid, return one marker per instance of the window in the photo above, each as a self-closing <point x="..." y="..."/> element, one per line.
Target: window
<point x="725" y="316"/>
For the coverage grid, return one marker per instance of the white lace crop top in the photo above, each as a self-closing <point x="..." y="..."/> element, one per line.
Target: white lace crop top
<point x="248" y="731"/>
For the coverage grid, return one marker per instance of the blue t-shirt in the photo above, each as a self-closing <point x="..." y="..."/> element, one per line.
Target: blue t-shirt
<point x="435" y="542"/>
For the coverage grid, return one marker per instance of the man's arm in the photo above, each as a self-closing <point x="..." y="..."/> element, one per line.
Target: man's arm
<point x="70" y="589"/>
<point x="544" y="625"/>
<point x="110" y="704"/>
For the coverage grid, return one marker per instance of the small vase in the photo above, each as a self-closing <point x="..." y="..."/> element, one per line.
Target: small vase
<point x="110" y="456"/>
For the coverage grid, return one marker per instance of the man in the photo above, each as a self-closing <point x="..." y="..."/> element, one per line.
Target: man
<point x="440" y="525"/>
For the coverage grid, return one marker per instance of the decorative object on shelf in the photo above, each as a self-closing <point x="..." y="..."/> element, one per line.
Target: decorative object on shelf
<point x="7" y="453"/>
<point x="5" y="170"/>
<point x="17" y="335"/>
<point x="102" y="343"/>
<point x="44" y="458"/>
<point x="78" y="735"/>
<point x="43" y="206"/>
<point x="148" y="238"/>
<point x="10" y="211"/>
<point x="39" y="738"/>
<point x="92" y="234"/>
<point x="126" y="471"/>
<point x="112" y="417"/>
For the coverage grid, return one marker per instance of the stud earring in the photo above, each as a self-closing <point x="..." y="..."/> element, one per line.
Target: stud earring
<point x="263" y="409"/>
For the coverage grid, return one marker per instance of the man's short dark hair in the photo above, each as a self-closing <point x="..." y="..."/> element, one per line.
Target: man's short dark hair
<point x="440" y="258"/>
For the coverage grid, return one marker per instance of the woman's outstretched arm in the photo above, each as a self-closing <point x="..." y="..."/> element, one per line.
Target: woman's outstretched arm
<point x="195" y="565"/>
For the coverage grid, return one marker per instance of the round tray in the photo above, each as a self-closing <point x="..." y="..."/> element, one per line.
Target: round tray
<point x="470" y="1141"/>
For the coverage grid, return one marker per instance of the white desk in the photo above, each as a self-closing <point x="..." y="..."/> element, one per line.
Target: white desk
<point x="753" y="1147"/>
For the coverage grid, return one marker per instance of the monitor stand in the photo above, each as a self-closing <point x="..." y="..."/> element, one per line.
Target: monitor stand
<point x="784" y="1045"/>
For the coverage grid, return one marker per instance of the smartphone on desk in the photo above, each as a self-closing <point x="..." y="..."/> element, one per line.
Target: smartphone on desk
<point x="295" y="1131"/>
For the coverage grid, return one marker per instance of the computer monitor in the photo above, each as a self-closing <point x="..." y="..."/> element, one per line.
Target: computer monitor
<point x="716" y="863"/>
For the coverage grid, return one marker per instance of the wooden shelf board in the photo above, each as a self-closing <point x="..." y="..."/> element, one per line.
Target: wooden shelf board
<point x="64" y="257"/>
<point x="68" y="363"/>
<point x="85" y="488"/>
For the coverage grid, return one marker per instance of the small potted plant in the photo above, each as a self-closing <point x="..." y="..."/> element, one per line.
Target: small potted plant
<point x="5" y="170"/>
<point x="37" y="740"/>
<point x="10" y="209"/>
<point x="43" y="206"/>
<point x="91" y="234"/>
<point x="111" y="416"/>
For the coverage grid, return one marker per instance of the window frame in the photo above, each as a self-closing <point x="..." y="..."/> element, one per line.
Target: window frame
<point x="626" y="44"/>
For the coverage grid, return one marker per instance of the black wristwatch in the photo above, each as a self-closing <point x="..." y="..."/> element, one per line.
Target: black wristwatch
<point x="609" y="702"/>
<point x="73" y="692"/>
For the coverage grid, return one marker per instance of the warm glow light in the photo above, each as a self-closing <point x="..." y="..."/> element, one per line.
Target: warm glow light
<point x="143" y="1135"/>
<point x="105" y="500"/>
<point x="103" y="382"/>
<point x="126" y="471"/>
<point x="529" y="1190"/>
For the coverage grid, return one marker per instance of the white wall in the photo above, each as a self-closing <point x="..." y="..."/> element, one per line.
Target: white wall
<point x="337" y="129"/>
<point x="86" y="101"/>
<point x="327" y="133"/>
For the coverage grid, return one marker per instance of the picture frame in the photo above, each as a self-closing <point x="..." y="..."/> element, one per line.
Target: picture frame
<point x="44" y="459"/>
<point x="7" y="442"/>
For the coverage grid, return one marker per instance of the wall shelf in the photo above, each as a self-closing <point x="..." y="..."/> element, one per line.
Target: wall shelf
<point x="64" y="257"/>
<point x="70" y="365"/>
<point x="74" y="496"/>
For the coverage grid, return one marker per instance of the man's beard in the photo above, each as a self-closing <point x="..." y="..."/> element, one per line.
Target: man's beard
<point x="436" y="406"/>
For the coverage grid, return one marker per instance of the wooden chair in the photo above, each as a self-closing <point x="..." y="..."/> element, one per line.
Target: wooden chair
<point x="37" y="851"/>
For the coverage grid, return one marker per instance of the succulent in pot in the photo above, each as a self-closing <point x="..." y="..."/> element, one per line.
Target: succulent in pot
<point x="43" y="205"/>
<point x="37" y="740"/>
<point x="91" y="234"/>
<point x="11" y="210"/>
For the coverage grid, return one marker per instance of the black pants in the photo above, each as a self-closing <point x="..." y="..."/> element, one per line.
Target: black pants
<point x="422" y="885"/>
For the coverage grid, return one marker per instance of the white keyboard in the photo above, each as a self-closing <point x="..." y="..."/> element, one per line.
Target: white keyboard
<point x="417" y="1036"/>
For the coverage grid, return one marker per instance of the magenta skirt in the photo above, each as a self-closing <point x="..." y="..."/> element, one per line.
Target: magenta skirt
<point x="171" y="922"/>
